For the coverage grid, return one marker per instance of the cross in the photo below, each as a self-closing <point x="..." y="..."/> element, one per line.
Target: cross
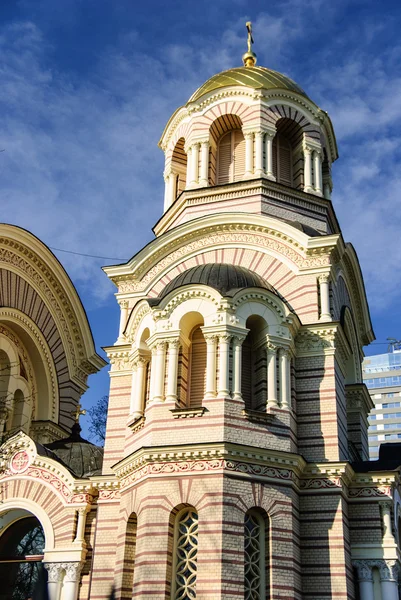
<point x="250" y="38"/>
<point x="78" y="412"/>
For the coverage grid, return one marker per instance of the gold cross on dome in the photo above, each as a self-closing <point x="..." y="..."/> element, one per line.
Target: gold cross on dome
<point x="78" y="412"/>
<point x="250" y="37"/>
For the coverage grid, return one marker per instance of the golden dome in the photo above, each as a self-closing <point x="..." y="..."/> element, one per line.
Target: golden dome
<point x="253" y="77"/>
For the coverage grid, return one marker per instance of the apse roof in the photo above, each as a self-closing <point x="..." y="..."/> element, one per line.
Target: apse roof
<point x="225" y="278"/>
<point x="253" y="77"/>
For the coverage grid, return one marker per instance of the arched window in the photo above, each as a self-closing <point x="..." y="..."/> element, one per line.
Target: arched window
<point x="254" y="365"/>
<point x="185" y="555"/>
<point x="197" y="368"/>
<point x="288" y="154"/>
<point x="21" y="554"/>
<point x="231" y="157"/>
<point x="179" y="166"/>
<point x="129" y="559"/>
<point x="256" y="557"/>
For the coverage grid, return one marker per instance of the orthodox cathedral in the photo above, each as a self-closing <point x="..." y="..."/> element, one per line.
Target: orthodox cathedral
<point x="236" y="455"/>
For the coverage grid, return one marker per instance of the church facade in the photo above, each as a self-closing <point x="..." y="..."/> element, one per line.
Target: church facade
<point x="236" y="455"/>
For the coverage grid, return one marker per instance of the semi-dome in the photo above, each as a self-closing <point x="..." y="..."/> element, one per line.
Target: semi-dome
<point x="80" y="456"/>
<point x="252" y="77"/>
<point x="226" y="279"/>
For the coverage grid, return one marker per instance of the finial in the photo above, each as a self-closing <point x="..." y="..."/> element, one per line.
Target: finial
<point x="78" y="412"/>
<point x="249" y="57"/>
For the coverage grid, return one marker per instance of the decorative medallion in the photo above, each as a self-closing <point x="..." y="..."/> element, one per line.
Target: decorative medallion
<point x="20" y="462"/>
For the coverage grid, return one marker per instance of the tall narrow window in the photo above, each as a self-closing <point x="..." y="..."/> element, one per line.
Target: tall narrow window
<point x="185" y="555"/>
<point x="231" y="157"/>
<point x="254" y="365"/>
<point x="129" y="559"/>
<point x="197" y="373"/>
<point x="282" y="159"/>
<point x="255" y="556"/>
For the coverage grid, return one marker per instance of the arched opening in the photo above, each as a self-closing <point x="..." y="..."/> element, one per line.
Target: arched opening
<point x="256" y="555"/>
<point x="129" y="559"/>
<point x="288" y="156"/>
<point x="191" y="361"/>
<point x="185" y="554"/>
<point x="254" y="364"/>
<point x="146" y="354"/>
<point x="5" y="373"/>
<point x="227" y="158"/>
<point x="19" y="420"/>
<point x="179" y="166"/>
<point x="21" y="553"/>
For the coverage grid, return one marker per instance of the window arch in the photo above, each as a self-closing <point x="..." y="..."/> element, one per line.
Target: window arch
<point x="185" y="555"/>
<point x="21" y="553"/>
<point x="254" y="364"/>
<point x="288" y="156"/>
<point x="231" y="157"/>
<point x="256" y="556"/>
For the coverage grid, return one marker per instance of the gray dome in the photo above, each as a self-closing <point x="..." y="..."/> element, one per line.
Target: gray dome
<point x="78" y="455"/>
<point x="226" y="279"/>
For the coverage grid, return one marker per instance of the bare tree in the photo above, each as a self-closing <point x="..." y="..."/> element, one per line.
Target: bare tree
<point x="98" y="417"/>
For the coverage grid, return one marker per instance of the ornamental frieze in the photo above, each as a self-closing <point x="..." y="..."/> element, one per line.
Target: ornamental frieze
<point x="370" y="492"/>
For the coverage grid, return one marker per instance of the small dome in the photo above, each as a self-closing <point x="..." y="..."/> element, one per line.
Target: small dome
<point x="226" y="279"/>
<point x="253" y="77"/>
<point x="80" y="456"/>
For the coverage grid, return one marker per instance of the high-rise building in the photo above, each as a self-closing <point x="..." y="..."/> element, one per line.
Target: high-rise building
<point x="382" y="376"/>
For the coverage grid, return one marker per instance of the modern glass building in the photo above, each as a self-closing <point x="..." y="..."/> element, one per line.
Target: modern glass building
<point x="382" y="376"/>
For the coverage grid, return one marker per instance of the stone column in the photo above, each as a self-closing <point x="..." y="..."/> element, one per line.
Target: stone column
<point x="365" y="579"/>
<point x="53" y="579"/>
<point x="237" y="350"/>
<point x="211" y="343"/>
<point x="71" y="579"/>
<point x="194" y="165"/>
<point x="224" y="351"/>
<point x="317" y="157"/>
<point x="248" y="153"/>
<point x="271" y="375"/>
<point x="386" y="517"/>
<point x="308" y="187"/>
<point x="325" y="314"/>
<point x="204" y="165"/>
<point x="389" y="579"/>
<point x="166" y="197"/>
<point x="158" y="381"/>
<point x="283" y="380"/>
<point x="123" y="319"/>
<point x="133" y="388"/>
<point x="269" y="155"/>
<point x="259" y="140"/>
<point x="189" y="166"/>
<point x="80" y="535"/>
<point x="139" y="393"/>
<point x="153" y="375"/>
<point x="327" y="190"/>
<point x="172" y="373"/>
<point x="172" y="188"/>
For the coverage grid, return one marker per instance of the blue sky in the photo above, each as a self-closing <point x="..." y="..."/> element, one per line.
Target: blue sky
<point x="88" y="85"/>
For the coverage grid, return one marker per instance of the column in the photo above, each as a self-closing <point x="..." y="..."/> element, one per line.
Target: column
<point x="224" y="351"/>
<point x="53" y="579"/>
<point x="172" y="373"/>
<point x="139" y="394"/>
<point x="80" y="535"/>
<point x="325" y="314"/>
<point x="194" y="165"/>
<point x="308" y="169"/>
<point x="133" y="388"/>
<point x="211" y="343"/>
<point x="271" y="375"/>
<point x="389" y="579"/>
<point x="317" y="157"/>
<point x="153" y="367"/>
<point x="71" y="580"/>
<point x="283" y="380"/>
<point x="204" y="165"/>
<point x="259" y="140"/>
<point x="172" y="185"/>
<point x="365" y="579"/>
<point x="158" y="381"/>
<point x="189" y="166"/>
<point x="123" y="319"/>
<point x="269" y="155"/>
<point x="237" y="350"/>
<point x="248" y="154"/>
<point x="327" y="190"/>
<point x="386" y="517"/>
<point x="166" y="198"/>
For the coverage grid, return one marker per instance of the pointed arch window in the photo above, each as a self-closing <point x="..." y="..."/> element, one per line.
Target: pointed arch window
<point x="185" y="555"/>
<point x="255" y="556"/>
<point x="231" y="157"/>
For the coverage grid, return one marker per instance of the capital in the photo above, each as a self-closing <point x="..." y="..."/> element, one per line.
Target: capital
<point x="174" y="344"/>
<point x="123" y="303"/>
<point x="324" y="278"/>
<point x="364" y="570"/>
<point x="271" y="348"/>
<point x="388" y="570"/>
